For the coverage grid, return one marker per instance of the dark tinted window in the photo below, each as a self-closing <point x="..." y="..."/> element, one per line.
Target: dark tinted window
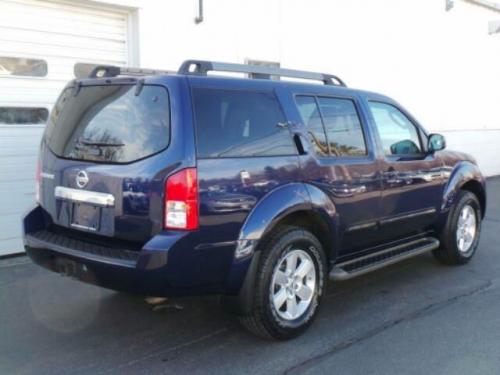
<point x="231" y="123"/>
<point x="343" y="127"/>
<point x="21" y="66"/>
<point x="109" y="123"/>
<point x="23" y="115"/>
<point x="309" y="112"/>
<point x="397" y="133"/>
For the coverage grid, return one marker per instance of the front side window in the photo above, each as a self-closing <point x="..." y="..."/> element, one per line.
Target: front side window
<point x="109" y="123"/>
<point x="343" y="127"/>
<point x="398" y="134"/>
<point x="234" y="123"/>
<point x="309" y="112"/>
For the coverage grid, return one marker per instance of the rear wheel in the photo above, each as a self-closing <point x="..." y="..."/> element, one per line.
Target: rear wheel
<point x="460" y="238"/>
<point x="289" y="284"/>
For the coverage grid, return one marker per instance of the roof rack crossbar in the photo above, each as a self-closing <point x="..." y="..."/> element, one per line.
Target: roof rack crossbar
<point x="199" y="67"/>
<point x="83" y="70"/>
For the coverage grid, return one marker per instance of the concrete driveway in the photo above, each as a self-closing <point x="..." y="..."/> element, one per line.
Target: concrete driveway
<point x="417" y="317"/>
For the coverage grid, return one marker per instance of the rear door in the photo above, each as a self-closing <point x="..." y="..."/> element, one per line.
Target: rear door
<point x="106" y="150"/>
<point x="412" y="177"/>
<point x="242" y="154"/>
<point x="343" y="163"/>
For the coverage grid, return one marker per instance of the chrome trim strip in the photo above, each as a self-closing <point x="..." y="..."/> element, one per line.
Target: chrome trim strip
<point x="78" y="226"/>
<point x="411" y="215"/>
<point x="367" y="225"/>
<point x="85" y="196"/>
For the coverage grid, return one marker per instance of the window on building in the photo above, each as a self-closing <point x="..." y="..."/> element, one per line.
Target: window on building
<point x="309" y="111"/>
<point x="343" y="127"/>
<point x="21" y="66"/>
<point x="233" y="123"/>
<point x="23" y="115"/>
<point x="398" y="134"/>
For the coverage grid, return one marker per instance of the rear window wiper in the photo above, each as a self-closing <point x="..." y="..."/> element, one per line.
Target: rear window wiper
<point x="87" y="142"/>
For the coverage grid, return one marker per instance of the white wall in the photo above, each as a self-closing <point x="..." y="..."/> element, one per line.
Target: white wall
<point x="443" y="66"/>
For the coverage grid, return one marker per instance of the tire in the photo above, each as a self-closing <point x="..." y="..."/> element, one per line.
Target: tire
<point x="452" y="251"/>
<point x="278" y="253"/>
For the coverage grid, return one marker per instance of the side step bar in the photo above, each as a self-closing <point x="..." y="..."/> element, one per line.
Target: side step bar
<point x="371" y="262"/>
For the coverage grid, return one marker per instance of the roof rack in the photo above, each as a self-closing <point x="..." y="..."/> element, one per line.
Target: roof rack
<point x="199" y="67"/>
<point x="83" y="70"/>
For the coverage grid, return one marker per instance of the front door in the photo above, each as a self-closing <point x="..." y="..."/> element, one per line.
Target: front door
<point x="411" y="176"/>
<point x="342" y="163"/>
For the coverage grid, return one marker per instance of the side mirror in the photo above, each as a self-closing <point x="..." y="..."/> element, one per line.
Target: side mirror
<point x="437" y="142"/>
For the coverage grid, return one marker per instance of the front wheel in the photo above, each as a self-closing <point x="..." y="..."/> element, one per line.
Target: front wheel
<point x="289" y="284"/>
<point x="460" y="237"/>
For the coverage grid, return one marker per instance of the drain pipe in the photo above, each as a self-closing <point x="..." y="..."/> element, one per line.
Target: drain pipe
<point x="199" y="18"/>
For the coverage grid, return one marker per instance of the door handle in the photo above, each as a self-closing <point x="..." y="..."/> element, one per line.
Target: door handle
<point x="299" y="134"/>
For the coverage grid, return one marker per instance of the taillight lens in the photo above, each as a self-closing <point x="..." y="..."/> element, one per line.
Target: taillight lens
<point x="38" y="181"/>
<point x="181" y="200"/>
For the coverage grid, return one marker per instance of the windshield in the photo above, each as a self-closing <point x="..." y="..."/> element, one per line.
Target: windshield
<point x="111" y="123"/>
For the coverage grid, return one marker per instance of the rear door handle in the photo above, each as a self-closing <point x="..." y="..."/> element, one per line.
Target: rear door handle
<point x="299" y="134"/>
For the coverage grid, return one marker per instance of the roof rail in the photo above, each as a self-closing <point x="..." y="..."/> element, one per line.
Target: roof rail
<point x="199" y="67"/>
<point x="83" y="70"/>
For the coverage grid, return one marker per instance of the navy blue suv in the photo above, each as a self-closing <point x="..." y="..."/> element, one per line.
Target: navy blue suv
<point x="257" y="189"/>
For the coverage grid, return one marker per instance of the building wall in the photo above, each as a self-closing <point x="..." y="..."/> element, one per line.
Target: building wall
<point x="442" y="66"/>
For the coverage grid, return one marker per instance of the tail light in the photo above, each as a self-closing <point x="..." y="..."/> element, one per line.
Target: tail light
<point x="181" y="200"/>
<point x="38" y="181"/>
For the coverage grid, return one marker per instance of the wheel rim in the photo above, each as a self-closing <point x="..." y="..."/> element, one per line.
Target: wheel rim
<point x="466" y="228"/>
<point x="293" y="284"/>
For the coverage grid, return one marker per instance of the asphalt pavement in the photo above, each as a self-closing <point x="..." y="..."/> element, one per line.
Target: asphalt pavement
<point x="415" y="317"/>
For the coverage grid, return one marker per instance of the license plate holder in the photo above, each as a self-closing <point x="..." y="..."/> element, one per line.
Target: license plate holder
<point x="85" y="216"/>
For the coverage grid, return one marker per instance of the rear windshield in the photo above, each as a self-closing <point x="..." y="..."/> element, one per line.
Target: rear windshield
<point x="112" y="123"/>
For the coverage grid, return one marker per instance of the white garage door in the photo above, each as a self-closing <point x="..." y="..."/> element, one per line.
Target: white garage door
<point x="40" y="41"/>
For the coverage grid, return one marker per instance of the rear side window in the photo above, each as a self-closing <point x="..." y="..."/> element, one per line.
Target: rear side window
<point x="343" y="127"/>
<point x="232" y="123"/>
<point x="109" y="123"/>
<point x="309" y="112"/>
<point x="333" y="125"/>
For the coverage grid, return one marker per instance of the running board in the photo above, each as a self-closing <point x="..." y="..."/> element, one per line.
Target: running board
<point x="371" y="262"/>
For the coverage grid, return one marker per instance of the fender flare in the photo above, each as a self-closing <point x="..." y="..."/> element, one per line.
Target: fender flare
<point x="271" y="209"/>
<point x="462" y="173"/>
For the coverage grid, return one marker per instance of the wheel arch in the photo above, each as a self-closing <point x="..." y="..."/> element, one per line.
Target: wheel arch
<point x="298" y="204"/>
<point x="294" y="203"/>
<point x="478" y="190"/>
<point x="465" y="176"/>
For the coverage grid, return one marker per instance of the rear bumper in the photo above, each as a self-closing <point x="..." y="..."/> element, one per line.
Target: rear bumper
<point x="167" y="265"/>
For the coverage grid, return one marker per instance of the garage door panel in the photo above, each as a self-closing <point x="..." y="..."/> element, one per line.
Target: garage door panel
<point x="62" y="13"/>
<point x="57" y="40"/>
<point x="6" y="246"/>
<point x="65" y="28"/>
<point x="23" y="169"/>
<point x="72" y="52"/>
<point x="11" y="226"/>
<point x="58" y="6"/>
<point x="62" y="34"/>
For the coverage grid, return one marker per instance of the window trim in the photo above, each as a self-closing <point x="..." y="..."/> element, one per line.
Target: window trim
<point x="257" y="90"/>
<point x="362" y="123"/>
<point x="322" y="157"/>
<point x="418" y="128"/>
